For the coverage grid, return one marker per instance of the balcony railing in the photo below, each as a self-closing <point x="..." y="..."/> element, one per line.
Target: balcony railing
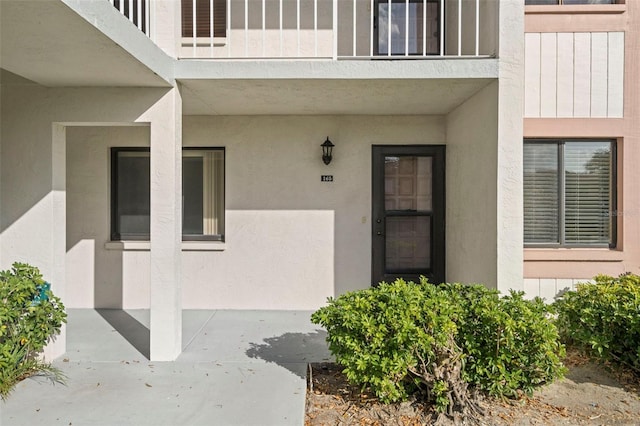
<point x="329" y="29"/>
<point x="338" y="29"/>
<point x="137" y="11"/>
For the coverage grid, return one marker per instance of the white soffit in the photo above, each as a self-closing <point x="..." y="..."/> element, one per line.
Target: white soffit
<point x="311" y="97"/>
<point x="407" y="87"/>
<point x="46" y="41"/>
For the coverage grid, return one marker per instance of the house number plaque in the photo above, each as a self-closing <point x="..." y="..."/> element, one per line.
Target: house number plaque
<point x="326" y="178"/>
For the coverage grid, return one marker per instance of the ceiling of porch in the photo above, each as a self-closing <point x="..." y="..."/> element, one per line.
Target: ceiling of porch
<point x="57" y="44"/>
<point x="327" y="96"/>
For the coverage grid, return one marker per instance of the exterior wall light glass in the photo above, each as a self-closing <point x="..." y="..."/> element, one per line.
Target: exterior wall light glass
<point x="327" y="151"/>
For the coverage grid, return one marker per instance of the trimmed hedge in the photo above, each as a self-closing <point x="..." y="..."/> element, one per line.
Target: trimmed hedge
<point x="402" y="337"/>
<point x="604" y="317"/>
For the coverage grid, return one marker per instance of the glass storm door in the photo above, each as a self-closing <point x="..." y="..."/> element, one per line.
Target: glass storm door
<point x="408" y="213"/>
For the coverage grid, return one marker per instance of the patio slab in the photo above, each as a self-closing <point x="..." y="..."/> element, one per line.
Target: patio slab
<point x="237" y="368"/>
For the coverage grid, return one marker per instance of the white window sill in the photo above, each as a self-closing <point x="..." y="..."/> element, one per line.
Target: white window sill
<point x="146" y="245"/>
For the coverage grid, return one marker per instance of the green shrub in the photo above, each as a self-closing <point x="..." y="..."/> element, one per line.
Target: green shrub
<point x="604" y="317"/>
<point x="511" y="343"/>
<point x="397" y="337"/>
<point x="378" y="333"/>
<point x="30" y="316"/>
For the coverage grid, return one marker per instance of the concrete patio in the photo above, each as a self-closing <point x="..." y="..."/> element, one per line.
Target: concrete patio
<point x="237" y="368"/>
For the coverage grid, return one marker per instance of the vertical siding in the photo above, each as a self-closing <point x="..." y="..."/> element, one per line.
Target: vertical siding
<point x="565" y="75"/>
<point x="548" y="73"/>
<point x="616" y="75"/>
<point x="582" y="75"/>
<point x="574" y="74"/>
<point x="532" y="75"/>
<point x="550" y="288"/>
<point x="599" y="77"/>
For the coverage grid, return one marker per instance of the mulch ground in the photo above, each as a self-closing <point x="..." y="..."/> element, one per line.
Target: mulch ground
<point x="592" y="394"/>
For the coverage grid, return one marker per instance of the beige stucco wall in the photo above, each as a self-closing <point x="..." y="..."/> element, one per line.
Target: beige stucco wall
<point x="545" y="268"/>
<point x="98" y="277"/>
<point x="291" y="240"/>
<point x="34" y="121"/>
<point x="472" y="145"/>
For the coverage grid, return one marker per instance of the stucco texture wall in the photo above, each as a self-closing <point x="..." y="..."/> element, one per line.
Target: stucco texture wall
<point x="291" y="240"/>
<point x="472" y="145"/>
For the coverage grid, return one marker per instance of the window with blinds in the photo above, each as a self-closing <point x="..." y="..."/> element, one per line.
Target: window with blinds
<point x="569" y="193"/>
<point x="206" y="22"/>
<point x="202" y="194"/>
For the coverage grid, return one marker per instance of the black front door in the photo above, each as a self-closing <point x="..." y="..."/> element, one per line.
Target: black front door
<point x="408" y="213"/>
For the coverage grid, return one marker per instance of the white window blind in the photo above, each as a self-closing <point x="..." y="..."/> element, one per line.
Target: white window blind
<point x="569" y="193"/>
<point x="587" y="170"/>
<point x="541" y="193"/>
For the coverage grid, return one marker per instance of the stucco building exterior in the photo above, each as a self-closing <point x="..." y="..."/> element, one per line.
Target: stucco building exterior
<point x="166" y="154"/>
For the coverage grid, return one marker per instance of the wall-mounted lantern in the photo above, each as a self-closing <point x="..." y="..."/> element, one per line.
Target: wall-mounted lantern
<point x="327" y="151"/>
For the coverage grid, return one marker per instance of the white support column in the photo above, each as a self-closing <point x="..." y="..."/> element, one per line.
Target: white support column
<point x="57" y="275"/>
<point x="166" y="227"/>
<point x="510" y="132"/>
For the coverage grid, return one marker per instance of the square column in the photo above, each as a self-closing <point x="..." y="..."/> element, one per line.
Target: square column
<point x="166" y="227"/>
<point x="510" y="249"/>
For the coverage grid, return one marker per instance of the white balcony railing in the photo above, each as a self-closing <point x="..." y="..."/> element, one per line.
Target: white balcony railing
<point x="329" y="29"/>
<point x="338" y="29"/>
<point x="137" y="11"/>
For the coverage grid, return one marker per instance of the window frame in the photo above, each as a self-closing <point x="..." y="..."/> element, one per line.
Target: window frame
<point x="113" y="202"/>
<point x="216" y="237"/>
<point x="613" y="202"/>
<point x="219" y="30"/>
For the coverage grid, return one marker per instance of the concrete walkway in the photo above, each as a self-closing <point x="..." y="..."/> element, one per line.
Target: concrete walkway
<point x="237" y="368"/>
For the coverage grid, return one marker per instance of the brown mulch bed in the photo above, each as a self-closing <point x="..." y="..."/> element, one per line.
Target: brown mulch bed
<point x="591" y="394"/>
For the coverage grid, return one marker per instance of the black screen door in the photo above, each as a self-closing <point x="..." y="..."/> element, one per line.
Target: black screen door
<point x="408" y="213"/>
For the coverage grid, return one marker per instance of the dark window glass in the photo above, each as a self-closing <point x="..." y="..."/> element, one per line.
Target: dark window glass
<point x="132" y="203"/>
<point x="192" y="204"/>
<point x="202" y="194"/>
<point x="203" y="18"/>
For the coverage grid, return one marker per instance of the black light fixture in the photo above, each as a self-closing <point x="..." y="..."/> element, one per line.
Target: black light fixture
<point x="327" y="150"/>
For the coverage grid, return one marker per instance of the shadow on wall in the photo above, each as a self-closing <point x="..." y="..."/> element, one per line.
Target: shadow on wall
<point x="292" y="349"/>
<point x="128" y="327"/>
<point x="28" y="110"/>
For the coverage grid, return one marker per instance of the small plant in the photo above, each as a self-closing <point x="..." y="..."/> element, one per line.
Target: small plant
<point x="30" y="317"/>
<point x="604" y="317"/>
<point x="402" y="338"/>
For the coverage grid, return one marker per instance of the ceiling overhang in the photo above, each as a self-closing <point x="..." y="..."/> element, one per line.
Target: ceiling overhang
<point x="432" y="87"/>
<point x="78" y="43"/>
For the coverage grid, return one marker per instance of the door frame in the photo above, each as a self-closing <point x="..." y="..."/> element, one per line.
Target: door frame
<point x="436" y="274"/>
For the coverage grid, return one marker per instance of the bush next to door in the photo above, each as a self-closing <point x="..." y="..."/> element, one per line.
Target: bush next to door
<point x="400" y="338"/>
<point x="512" y="345"/>
<point x="604" y="317"/>
<point x="30" y="316"/>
